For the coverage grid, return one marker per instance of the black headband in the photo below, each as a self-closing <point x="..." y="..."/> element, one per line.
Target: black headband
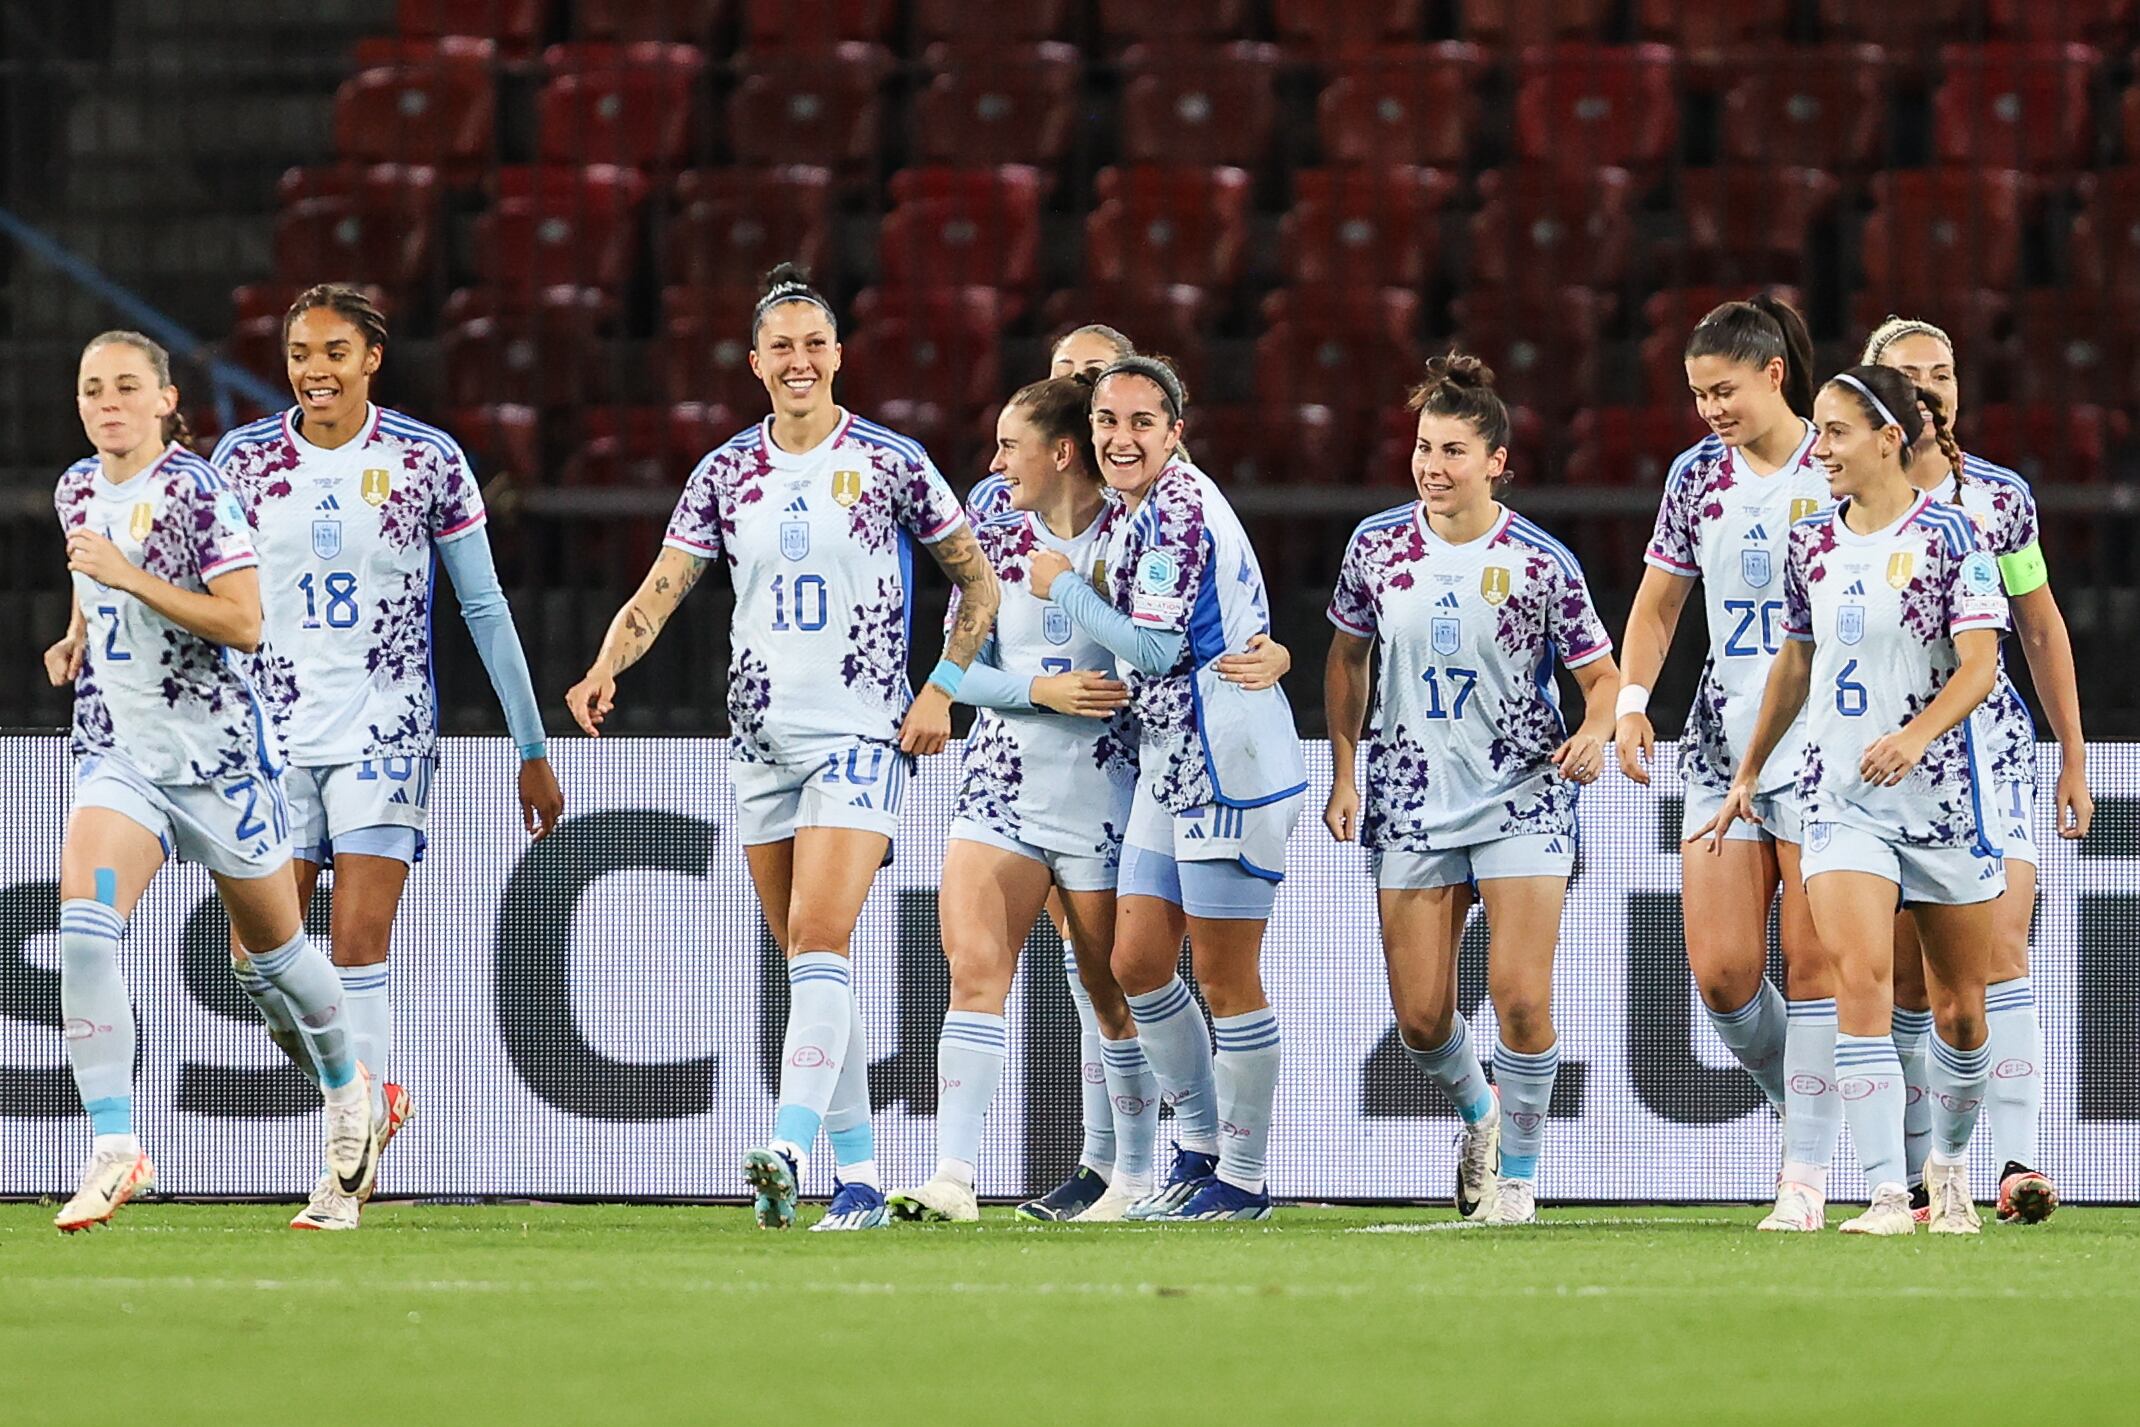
<point x="1156" y="372"/>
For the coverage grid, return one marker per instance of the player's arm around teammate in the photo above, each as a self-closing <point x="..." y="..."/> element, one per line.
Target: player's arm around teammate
<point x="1471" y="776"/>
<point x="1893" y="615"/>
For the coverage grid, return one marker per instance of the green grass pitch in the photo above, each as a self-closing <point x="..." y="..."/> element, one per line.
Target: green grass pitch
<point x="617" y="1315"/>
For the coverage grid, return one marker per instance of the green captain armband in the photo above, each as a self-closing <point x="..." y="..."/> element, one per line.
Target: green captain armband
<point x="2023" y="571"/>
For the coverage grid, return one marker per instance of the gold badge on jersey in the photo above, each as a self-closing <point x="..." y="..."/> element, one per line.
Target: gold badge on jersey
<point x="1493" y="584"/>
<point x="1801" y="508"/>
<point x="1900" y="566"/>
<point x="141" y="521"/>
<point x="846" y="487"/>
<point x="378" y="485"/>
<point x="1099" y="575"/>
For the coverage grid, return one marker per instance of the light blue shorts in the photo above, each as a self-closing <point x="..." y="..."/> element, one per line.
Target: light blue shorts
<point x="1941" y="876"/>
<point x="859" y="785"/>
<point x="1782" y="816"/>
<point x="1531" y="855"/>
<point x="1221" y="891"/>
<point x="1211" y="861"/>
<point x="2013" y="822"/>
<point x="1072" y="872"/>
<point x="377" y="808"/>
<point x="239" y="827"/>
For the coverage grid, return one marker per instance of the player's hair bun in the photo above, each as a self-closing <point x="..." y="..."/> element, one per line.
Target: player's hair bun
<point x="784" y="278"/>
<point x="1460" y="385"/>
<point x="1460" y="369"/>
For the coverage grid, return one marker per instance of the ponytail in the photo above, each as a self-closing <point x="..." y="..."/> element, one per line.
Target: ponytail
<point x="1760" y="330"/>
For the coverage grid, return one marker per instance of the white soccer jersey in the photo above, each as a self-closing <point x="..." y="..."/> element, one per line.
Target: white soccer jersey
<point x="989" y="498"/>
<point x="346" y="551"/>
<point x="1882" y="611"/>
<point x="1466" y="718"/>
<point x="1998" y="502"/>
<point x="1057" y="781"/>
<point x="1726" y="526"/>
<point x="176" y="706"/>
<point x="817" y="546"/>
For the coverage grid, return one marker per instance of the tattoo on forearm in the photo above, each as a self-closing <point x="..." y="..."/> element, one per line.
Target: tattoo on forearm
<point x="960" y="557"/>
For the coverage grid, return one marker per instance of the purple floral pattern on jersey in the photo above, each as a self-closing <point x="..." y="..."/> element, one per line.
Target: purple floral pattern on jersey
<point x="750" y="697"/>
<point x="876" y="661"/>
<point x="989" y="774"/>
<point x="2003" y="510"/>
<point x="1695" y="495"/>
<point x="1169" y="524"/>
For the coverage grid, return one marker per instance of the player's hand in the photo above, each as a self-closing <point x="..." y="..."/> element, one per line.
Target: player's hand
<point x="1047" y="565"/>
<point x="1891" y="758"/>
<point x="1342" y="813"/>
<point x="1635" y="740"/>
<point x="63" y="661"/>
<point x="1266" y="662"/>
<point x="1738" y="806"/>
<point x="591" y="700"/>
<point x="1086" y="693"/>
<point x="91" y="554"/>
<point x="1581" y="758"/>
<point x="542" y="802"/>
<point x="928" y="722"/>
<point x="2076" y="808"/>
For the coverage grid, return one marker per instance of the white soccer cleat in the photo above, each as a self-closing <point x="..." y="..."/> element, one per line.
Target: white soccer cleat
<point x="108" y="1182"/>
<point x="400" y="1109"/>
<point x="353" y="1137"/>
<point x="1888" y="1214"/>
<point x="1478" y="1162"/>
<point x="1113" y="1206"/>
<point x="942" y="1200"/>
<point x="328" y="1208"/>
<point x="1953" y="1211"/>
<point x="1515" y="1202"/>
<point x="1800" y="1209"/>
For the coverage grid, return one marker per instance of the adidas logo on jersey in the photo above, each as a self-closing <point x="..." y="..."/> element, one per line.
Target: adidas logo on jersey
<point x="329" y="505"/>
<point x="1857" y="587"/>
<point x="1447" y="601"/>
<point x="798" y="506"/>
<point x="1757" y="533"/>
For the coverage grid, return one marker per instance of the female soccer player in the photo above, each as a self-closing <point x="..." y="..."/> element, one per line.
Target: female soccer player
<point x="1727" y="509"/>
<point x="808" y="509"/>
<point x="1471" y="774"/>
<point x="175" y="758"/>
<point x="350" y="504"/>
<point x="1049" y="769"/>
<point x="1999" y="503"/>
<point x="1219" y="788"/>
<point x="1893" y="615"/>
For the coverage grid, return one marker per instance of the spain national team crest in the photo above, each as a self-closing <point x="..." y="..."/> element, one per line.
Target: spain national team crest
<point x="1850" y="623"/>
<point x="377" y="486"/>
<point x="1493" y="584"/>
<point x="326" y="538"/>
<point x="1055" y="625"/>
<point x="794" y="538"/>
<point x="141" y="521"/>
<point x="1756" y="567"/>
<point x="846" y="487"/>
<point x="1801" y="508"/>
<point x="1447" y="634"/>
<point x="1900" y="566"/>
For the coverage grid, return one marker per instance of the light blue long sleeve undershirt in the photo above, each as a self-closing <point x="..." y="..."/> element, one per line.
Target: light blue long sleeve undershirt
<point x="986" y="686"/>
<point x="490" y="623"/>
<point x="1148" y="651"/>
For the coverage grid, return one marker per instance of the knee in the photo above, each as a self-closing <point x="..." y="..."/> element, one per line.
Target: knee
<point x="1139" y="971"/>
<point x="1960" y="1022"/>
<point x="1232" y="985"/>
<point x="809" y="933"/>
<point x="979" y="982"/>
<point x="1422" y="1031"/>
<point x="1525" y="1022"/>
<point x="1726" y="988"/>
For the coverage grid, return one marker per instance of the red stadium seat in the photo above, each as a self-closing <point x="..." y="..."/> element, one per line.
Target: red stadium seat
<point x="937" y="354"/>
<point x="816" y="24"/>
<point x="1578" y="106"/>
<point x="1914" y="28"/>
<point x="557" y="225"/>
<point x="1014" y="103"/>
<point x="516" y="25"/>
<point x="1823" y="107"/>
<point x="501" y="439"/>
<point x="1541" y="228"/>
<point x="1394" y="310"/>
<point x="1935" y="232"/>
<point x="1414" y="105"/>
<point x="1541" y="346"/>
<point x="1126" y="20"/>
<point x="2021" y="106"/>
<point x="2068" y="347"/>
<point x="390" y="51"/>
<point x="1748" y="224"/>
<point x="2093" y="21"/>
<point x="549" y="354"/>
<point x="704" y="351"/>
<point x="440" y="113"/>
<point x="1158" y="224"/>
<point x="735" y="224"/>
<point x="2051" y="443"/>
<point x="1704" y="28"/>
<point x="381" y="228"/>
<point x="1630" y="445"/>
<point x="1193" y="106"/>
<point x="653" y="447"/>
<point x="2106" y="236"/>
<point x="1346" y="366"/>
<point x="1261" y="445"/>
<point x="1331" y="26"/>
<point x="1365" y="227"/>
<point x="1667" y="319"/>
<point x="990" y="19"/>
<point x="954" y="226"/>
<point x="1168" y="318"/>
<point x="1510" y="23"/>
<point x="619" y="104"/>
<point x="820" y="108"/>
<point x="688" y="21"/>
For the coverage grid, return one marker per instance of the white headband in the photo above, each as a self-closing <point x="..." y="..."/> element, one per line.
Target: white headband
<point x="1887" y="417"/>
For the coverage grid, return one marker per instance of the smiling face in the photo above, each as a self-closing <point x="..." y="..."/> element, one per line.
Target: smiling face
<point x="121" y="400"/>
<point x="1741" y="403"/>
<point x="1087" y="352"/>
<point x="1857" y="455"/>
<point x="330" y="366"/>
<point x="1452" y="465"/>
<point x="1132" y="432"/>
<point x="796" y="354"/>
<point x="1031" y="465"/>
<point x="1929" y="363"/>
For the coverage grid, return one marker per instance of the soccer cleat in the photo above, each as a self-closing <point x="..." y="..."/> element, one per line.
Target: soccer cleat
<point x="771" y="1176"/>
<point x="854" y="1206"/>
<point x="353" y="1137"/>
<point x="108" y="1182"/>
<point x="328" y="1208"/>
<point x="2025" y="1196"/>
<point x="1478" y="1162"/>
<point x="1067" y="1200"/>
<point x="1889" y="1213"/>
<point x="1920" y="1203"/>
<point x="942" y="1200"/>
<point x="1191" y="1169"/>
<point x="1216" y="1202"/>
<point x="1113" y="1206"/>
<point x="400" y="1109"/>
<point x="1953" y="1212"/>
<point x="1515" y="1202"/>
<point x="1800" y="1209"/>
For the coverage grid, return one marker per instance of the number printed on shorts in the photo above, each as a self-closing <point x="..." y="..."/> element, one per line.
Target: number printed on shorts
<point x="250" y="824"/>
<point x="808" y="593"/>
<point x="394" y="770"/>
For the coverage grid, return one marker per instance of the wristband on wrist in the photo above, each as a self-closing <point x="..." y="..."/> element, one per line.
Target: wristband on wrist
<point x="1634" y="699"/>
<point x="947" y="676"/>
<point x="529" y="752"/>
